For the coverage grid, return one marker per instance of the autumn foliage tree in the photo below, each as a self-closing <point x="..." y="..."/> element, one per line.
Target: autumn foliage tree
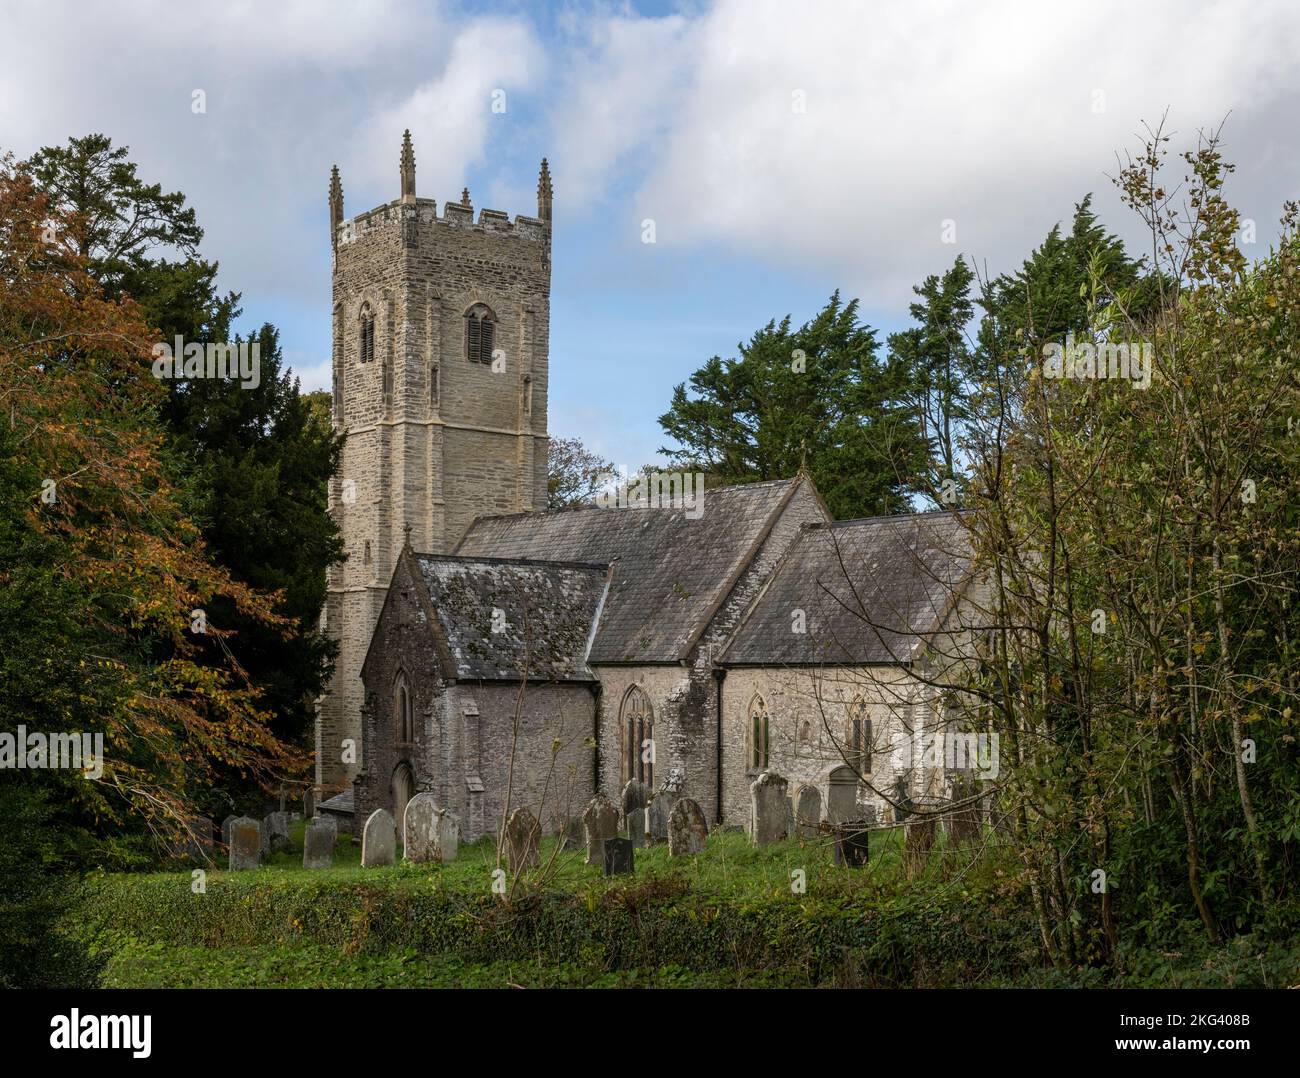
<point x="102" y="573"/>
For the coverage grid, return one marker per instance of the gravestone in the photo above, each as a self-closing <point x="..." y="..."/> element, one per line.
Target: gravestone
<point x="962" y="822"/>
<point x="851" y="843"/>
<point x="275" y="833"/>
<point x="379" y="840"/>
<point x="687" y="829"/>
<point x="842" y="804"/>
<point x="225" y="828"/>
<point x="599" y="822"/>
<point x="808" y="811"/>
<point x="618" y="856"/>
<point x="446" y="835"/>
<point x="308" y="803"/>
<point x="318" y="844"/>
<point x="325" y="820"/>
<point x="522" y="835"/>
<point x="661" y="809"/>
<point x="768" y="809"/>
<point x="419" y="843"/>
<point x="634" y="797"/>
<point x="571" y="834"/>
<point x="636" y="828"/>
<point x="194" y="842"/>
<point x="245" y="843"/>
<point x="918" y="841"/>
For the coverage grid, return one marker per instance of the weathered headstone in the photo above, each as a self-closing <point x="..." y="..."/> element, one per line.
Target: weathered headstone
<point x="599" y="822"/>
<point x="661" y="808"/>
<point x="446" y="835"/>
<point x="308" y="803"/>
<point x="245" y="843"/>
<point x="326" y="820"/>
<point x="634" y="797"/>
<point x="768" y="809"/>
<point x="379" y="840"/>
<point x="687" y="828"/>
<point x="194" y="842"/>
<point x="636" y="828"/>
<point x="962" y="820"/>
<point x="808" y="811"/>
<point x="419" y="842"/>
<point x="571" y="834"/>
<point x="275" y="833"/>
<point x="520" y="842"/>
<point x="918" y="841"/>
<point x="318" y="843"/>
<point x="842" y="804"/>
<point x="225" y="828"/>
<point x="618" y="856"/>
<point x="851" y="843"/>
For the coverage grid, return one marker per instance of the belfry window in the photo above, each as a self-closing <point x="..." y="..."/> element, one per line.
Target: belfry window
<point x="859" y="737"/>
<point x="480" y="333"/>
<point x="366" y="334"/>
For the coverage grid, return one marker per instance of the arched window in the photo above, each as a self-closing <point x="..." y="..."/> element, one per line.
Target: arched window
<point x="637" y="724"/>
<point x="480" y="333"/>
<point x="366" y="334"/>
<point x="756" y="735"/>
<point x="405" y="715"/>
<point x="858" y="737"/>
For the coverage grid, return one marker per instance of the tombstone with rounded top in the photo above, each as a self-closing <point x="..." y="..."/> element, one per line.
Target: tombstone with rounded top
<point x="808" y="811"/>
<point x="419" y="840"/>
<point x="687" y="828"/>
<point x="379" y="840"/>
<point x="661" y="807"/>
<point x="633" y="797"/>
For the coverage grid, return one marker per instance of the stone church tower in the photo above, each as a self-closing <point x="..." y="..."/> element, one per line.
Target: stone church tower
<point x="440" y="331"/>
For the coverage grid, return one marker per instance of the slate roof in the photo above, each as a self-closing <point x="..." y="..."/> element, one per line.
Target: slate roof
<point x="559" y="601"/>
<point x="670" y="573"/>
<point x="871" y="590"/>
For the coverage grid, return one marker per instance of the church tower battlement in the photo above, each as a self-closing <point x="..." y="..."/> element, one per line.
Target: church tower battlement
<point x="440" y="341"/>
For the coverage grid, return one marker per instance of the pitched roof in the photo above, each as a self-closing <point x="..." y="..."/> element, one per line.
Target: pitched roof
<point x="550" y="605"/>
<point x="870" y="590"/>
<point x="670" y="573"/>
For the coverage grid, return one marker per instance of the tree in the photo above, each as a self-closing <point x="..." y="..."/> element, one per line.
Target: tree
<point x="107" y="577"/>
<point x="812" y="399"/>
<point x="575" y="473"/>
<point x="253" y="462"/>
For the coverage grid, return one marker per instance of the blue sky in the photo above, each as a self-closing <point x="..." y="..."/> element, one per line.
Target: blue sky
<point x="782" y="150"/>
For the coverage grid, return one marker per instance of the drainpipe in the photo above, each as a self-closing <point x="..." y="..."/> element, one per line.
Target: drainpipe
<point x="719" y="676"/>
<point x="596" y="689"/>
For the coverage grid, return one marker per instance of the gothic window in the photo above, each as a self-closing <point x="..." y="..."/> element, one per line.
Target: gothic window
<point x="405" y="716"/>
<point x="366" y="334"/>
<point x="638" y="724"/>
<point x="859" y="737"/>
<point x="757" y="735"/>
<point x="480" y="333"/>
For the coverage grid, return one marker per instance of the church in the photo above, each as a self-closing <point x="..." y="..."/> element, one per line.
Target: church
<point x="498" y="654"/>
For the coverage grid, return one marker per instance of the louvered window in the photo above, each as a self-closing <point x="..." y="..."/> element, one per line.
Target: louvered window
<point x="480" y="333"/>
<point x="366" y="339"/>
